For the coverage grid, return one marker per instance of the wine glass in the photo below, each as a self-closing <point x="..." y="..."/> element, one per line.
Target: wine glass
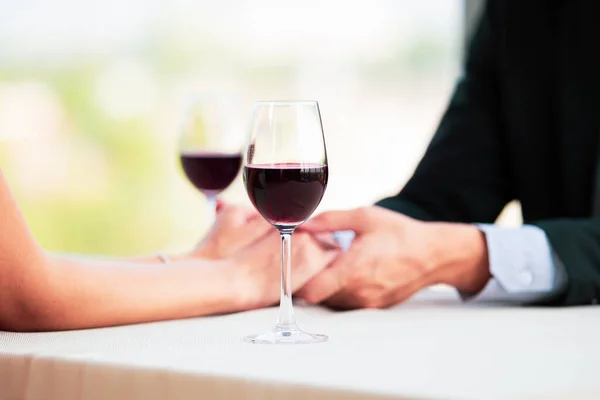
<point x="210" y="145"/>
<point x="285" y="174"/>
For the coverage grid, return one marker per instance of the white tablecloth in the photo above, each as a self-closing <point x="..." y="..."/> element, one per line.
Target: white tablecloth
<point x="430" y="348"/>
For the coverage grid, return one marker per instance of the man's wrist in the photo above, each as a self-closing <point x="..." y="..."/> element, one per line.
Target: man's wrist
<point x="460" y="256"/>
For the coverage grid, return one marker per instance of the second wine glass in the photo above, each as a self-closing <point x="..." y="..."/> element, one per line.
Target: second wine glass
<point x="286" y="172"/>
<point x="210" y="146"/>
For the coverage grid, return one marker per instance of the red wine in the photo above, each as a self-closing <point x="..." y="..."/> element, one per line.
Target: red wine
<point x="211" y="172"/>
<point x="286" y="194"/>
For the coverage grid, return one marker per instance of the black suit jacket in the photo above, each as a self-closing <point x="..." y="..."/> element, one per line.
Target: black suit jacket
<point x="523" y="123"/>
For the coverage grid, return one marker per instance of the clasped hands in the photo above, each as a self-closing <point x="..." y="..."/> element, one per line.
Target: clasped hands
<point x="391" y="257"/>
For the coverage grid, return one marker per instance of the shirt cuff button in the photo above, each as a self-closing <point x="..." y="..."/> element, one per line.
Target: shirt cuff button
<point x="525" y="277"/>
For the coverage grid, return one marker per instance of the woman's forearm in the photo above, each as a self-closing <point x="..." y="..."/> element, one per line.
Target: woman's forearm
<point x="156" y="258"/>
<point x="39" y="291"/>
<point x="76" y="294"/>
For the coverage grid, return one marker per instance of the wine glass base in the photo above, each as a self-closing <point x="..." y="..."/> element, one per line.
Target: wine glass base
<point x="286" y="335"/>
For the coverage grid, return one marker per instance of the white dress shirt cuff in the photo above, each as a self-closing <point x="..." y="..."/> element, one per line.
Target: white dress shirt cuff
<point x="524" y="267"/>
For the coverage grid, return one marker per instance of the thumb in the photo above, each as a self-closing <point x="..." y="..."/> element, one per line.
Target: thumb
<point x="330" y="281"/>
<point x="356" y="220"/>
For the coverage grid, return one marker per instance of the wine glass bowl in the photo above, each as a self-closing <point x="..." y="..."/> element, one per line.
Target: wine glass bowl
<point x="285" y="174"/>
<point x="209" y="172"/>
<point x="286" y="194"/>
<point x="210" y="145"/>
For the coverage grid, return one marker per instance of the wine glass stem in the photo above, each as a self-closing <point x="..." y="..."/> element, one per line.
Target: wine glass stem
<point x="286" y="318"/>
<point x="211" y="202"/>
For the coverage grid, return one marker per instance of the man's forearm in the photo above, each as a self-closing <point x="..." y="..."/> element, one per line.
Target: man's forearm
<point x="75" y="294"/>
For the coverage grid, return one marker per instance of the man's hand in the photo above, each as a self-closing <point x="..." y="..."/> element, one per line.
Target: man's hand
<point x="393" y="256"/>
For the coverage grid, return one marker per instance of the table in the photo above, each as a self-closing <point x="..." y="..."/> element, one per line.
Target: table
<point x="433" y="347"/>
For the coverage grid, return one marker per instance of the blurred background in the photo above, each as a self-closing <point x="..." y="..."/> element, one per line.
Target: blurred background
<point x="92" y="94"/>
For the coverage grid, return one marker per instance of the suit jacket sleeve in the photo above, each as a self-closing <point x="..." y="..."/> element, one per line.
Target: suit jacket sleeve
<point x="577" y="245"/>
<point x="463" y="174"/>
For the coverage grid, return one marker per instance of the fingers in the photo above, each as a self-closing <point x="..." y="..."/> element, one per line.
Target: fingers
<point x="258" y="266"/>
<point x="326" y="240"/>
<point x="329" y="281"/>
<point x="360" y="295"/>
<point x="237" y="227"/>
<point x="263" y="255"/>
<point x="309" y="257"/>
<point x="357" y="220"/>
<point x="258" y="229"/>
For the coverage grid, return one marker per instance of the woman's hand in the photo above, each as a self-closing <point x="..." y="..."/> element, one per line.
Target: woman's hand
<point x="235" y="228"/>
<point x="256" y="270"/>
<point x="249" y="250"/>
